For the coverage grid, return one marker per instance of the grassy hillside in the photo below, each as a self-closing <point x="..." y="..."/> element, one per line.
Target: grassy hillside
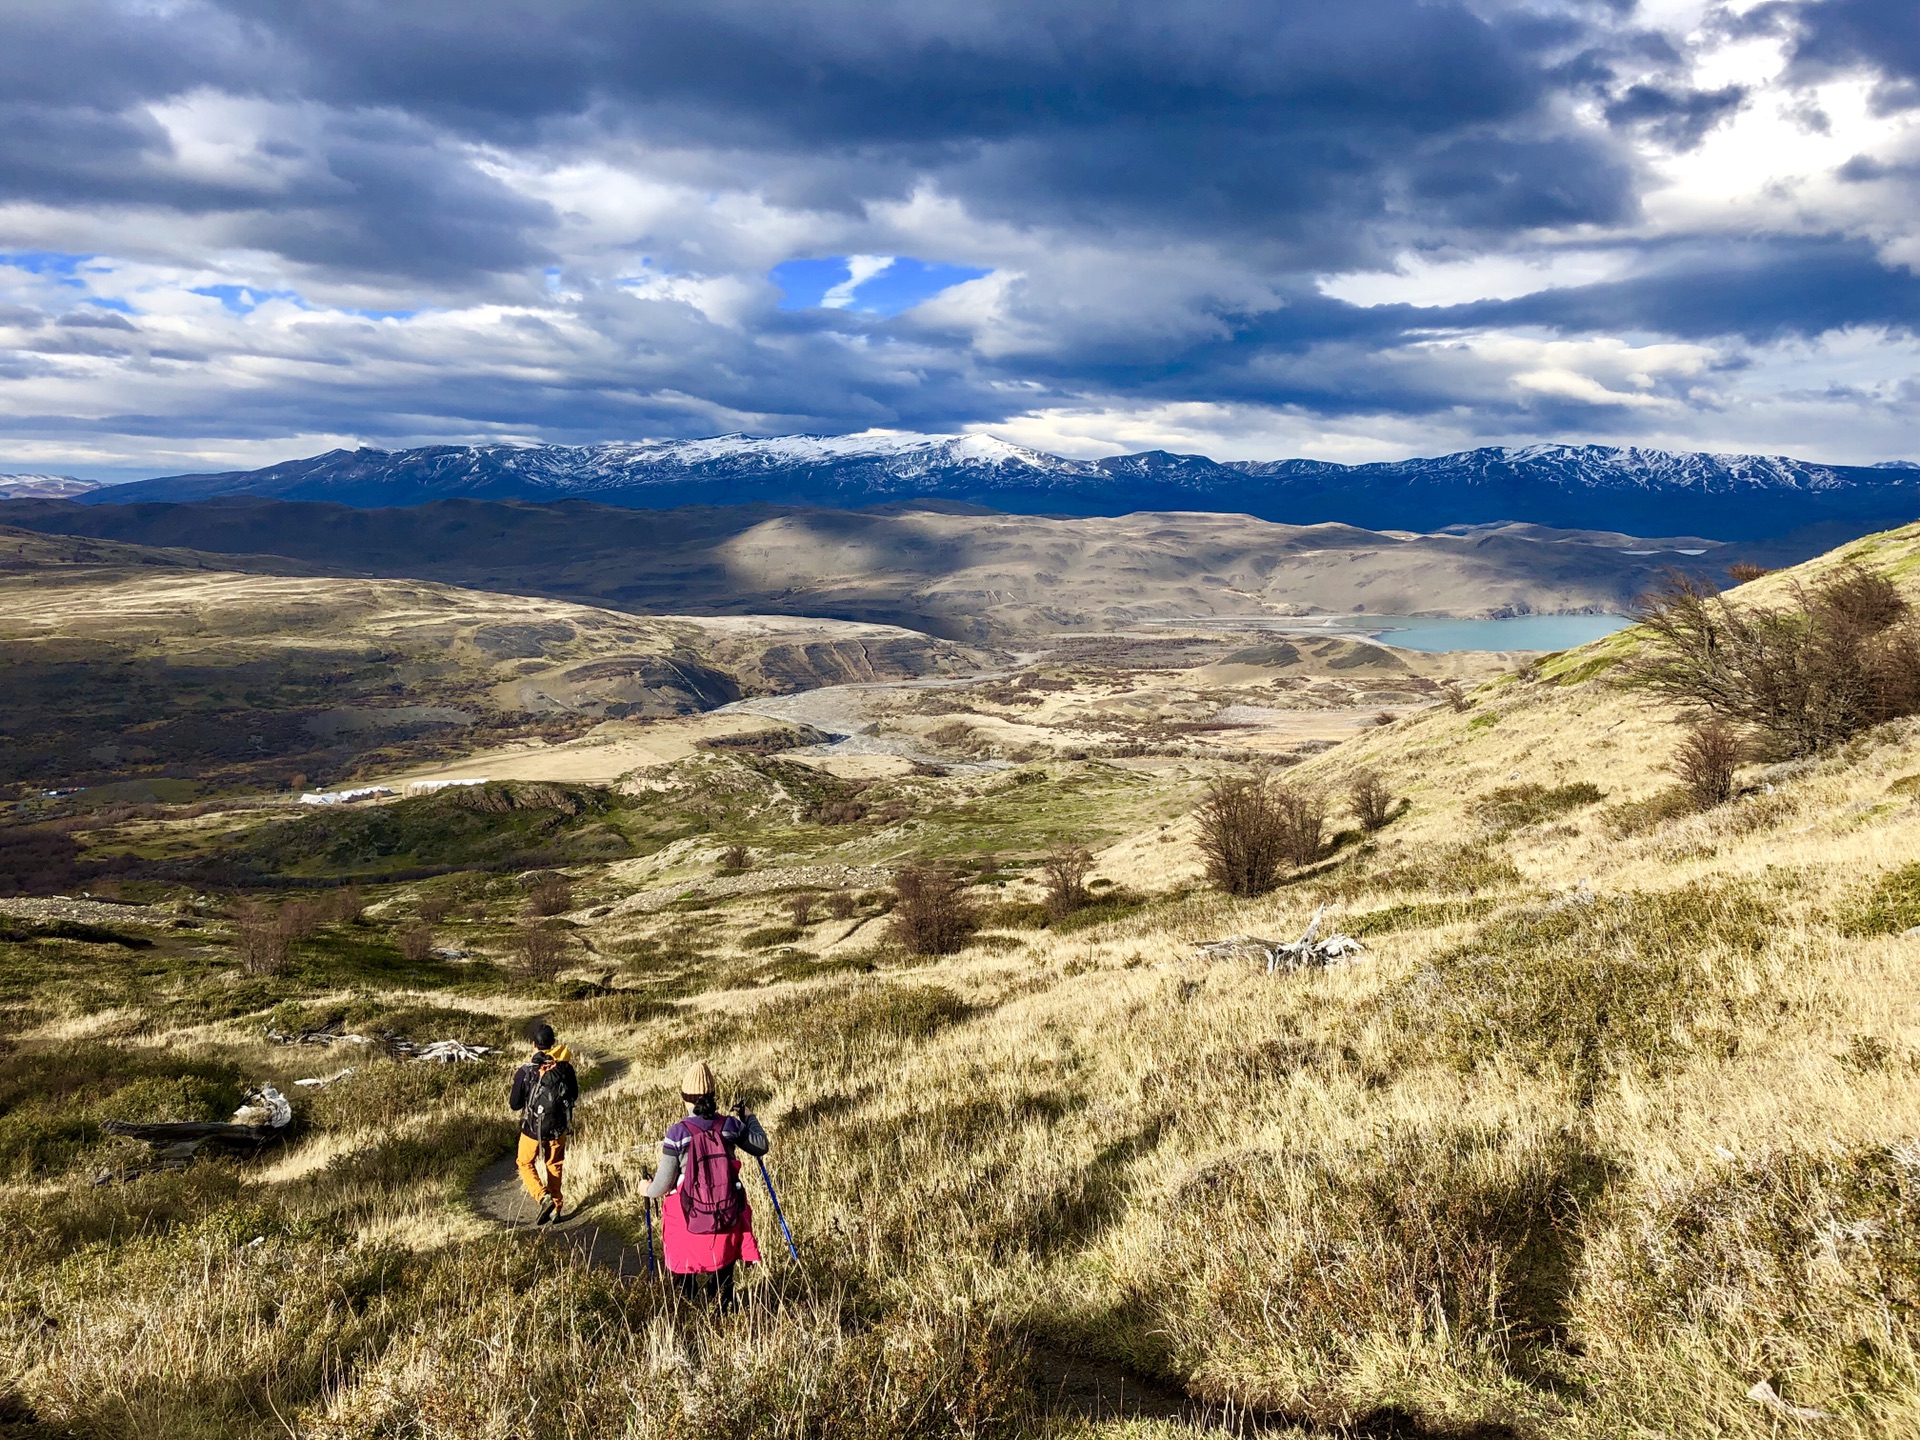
<point x="1615" y="1119"/>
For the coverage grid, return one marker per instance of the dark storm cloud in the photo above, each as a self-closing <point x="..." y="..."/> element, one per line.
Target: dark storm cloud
<point x="1877" y="35"/>
<point x="1679" y="118"/>
<point x="1760" y="291"/>
<point x="1156" y="190"/>
<point x="1220" y="114"/>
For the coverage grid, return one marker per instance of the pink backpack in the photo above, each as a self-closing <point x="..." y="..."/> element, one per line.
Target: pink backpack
<point x="711" y="1199"/>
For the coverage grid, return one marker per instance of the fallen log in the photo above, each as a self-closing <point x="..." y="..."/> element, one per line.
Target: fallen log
<point x="198" y="1132"/>
<point x="1309" y="952"/>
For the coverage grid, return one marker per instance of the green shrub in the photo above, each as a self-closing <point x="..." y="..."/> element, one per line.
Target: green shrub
<point x="53" y="1100"/>
<point x="1455" y="870"/>
<point x="497" y="824"/>
<point x="1412" y="915"/>
<point x="768" y="936"/>
<point x="849" y="1012"/>
<point x="1512" y="807"/>
<point x="1585" y="989"/>
<point x="1891" y="906"/>
<point x="1636" y="817"/>
<point x="388" y="1093"/>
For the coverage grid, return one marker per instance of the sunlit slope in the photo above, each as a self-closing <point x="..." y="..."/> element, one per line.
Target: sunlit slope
<point x="1578" y="718"/>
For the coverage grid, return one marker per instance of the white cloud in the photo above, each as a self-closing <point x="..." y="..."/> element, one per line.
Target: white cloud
<point x="860" y="269"/>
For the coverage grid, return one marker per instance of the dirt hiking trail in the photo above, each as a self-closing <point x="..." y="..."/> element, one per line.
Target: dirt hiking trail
<point x="499" y="1196"/>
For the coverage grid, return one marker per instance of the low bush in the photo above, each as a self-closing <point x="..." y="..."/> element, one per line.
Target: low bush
<point x="1513" y="807"/>
<point x="1637" y="817"/>
<point x="1422" y="1238"/>
<point x="52" y="1099"/>
<point x="1795" y="1265"/>
<point x="1416" y="916"/>
<point x="1064" y="869"/>
<point x="1892" y="905"/>
<point x="768" y="936"/>
<point x="1453" y="870"/>
<point x="894" y="1012"/>
<point x="932" y="914"/>
<point x="1585" y="988"/>
<point x="1706" y="760"/>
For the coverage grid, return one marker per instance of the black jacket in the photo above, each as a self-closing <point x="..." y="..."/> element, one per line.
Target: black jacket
<point x="523" y="1082"/>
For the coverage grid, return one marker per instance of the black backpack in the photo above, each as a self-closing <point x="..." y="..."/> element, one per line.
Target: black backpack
<point x="548" y="1113"/>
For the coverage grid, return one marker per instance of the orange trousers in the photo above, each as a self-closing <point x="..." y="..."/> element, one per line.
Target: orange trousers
<point x="554" y="1153"/>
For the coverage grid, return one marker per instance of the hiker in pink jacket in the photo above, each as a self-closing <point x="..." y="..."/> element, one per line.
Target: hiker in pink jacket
<point x="706" y="1225"/>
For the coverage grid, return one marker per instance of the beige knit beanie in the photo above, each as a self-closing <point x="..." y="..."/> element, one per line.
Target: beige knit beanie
<point x="697" y="1081"/>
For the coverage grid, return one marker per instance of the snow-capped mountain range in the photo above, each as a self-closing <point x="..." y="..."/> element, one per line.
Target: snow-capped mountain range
<point x="1649" y="492"/>
<point x="44" y="487"/>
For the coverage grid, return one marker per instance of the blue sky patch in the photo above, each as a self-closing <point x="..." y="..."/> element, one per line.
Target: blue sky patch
<point x="876" y="284"/>
<point x="55" y="263"/>
<point x="242" y="299"/>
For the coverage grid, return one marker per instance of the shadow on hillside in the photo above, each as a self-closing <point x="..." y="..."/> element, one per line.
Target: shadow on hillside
<point x="1103" y="1391"/>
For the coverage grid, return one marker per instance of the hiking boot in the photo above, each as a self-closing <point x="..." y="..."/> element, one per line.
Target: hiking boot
<point x="547" y="1208"/>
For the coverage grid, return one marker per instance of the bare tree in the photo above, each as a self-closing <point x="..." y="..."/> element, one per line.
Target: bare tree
<point x="840" y="905"/>
<point x="1250" y="828"/>
<point x="549" y="893"/>
<point x="1455" y="694"/>
<point x="801" y="909"/>
<point x="415" y="942"/>
<point x="1372" y="802"/>
<point x="264" y="939"/>
<point x="931" y="912"/>
<point x="539" y="951"/>
<point x="1303" y="823"/>
<point x="1239" y="836"/>
<point x="736" y="857"/>
<point x="1065" y="868"/>
<point x="346" y="906"/>
<point x="1845" y="657"/>
<point x="1706" y="761"/>
<point x="435" y="908"/>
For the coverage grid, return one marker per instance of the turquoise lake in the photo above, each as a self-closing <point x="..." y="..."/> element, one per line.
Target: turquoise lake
<point x="1440" y="632"/>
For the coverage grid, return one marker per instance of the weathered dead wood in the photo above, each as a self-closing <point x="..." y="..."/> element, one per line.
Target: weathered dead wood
<point x="1309" y="952"/>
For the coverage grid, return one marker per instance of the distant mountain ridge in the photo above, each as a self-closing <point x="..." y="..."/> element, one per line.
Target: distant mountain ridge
<point x="44" y="487"/>
<point x="1732" y="497"/>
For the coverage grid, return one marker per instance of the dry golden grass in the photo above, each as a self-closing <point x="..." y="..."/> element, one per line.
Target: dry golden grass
<point x="1616" y="1119"/>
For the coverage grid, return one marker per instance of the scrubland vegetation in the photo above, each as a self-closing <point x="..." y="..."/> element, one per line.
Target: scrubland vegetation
<point x="1616" y="1118"/>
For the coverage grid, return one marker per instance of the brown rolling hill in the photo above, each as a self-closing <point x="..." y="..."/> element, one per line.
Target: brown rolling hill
<point x="951" y="570"/>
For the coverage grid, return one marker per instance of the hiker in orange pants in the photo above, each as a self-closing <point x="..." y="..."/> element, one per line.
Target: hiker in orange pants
<point x="544" y="1092"/>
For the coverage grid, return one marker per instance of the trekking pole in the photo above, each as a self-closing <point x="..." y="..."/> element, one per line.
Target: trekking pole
<point x="647" y="1206"/>
<point x="774" y="1196"/>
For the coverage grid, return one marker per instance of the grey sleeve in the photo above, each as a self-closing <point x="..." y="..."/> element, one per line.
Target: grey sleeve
<point x="664" y="1178"/>
<point x="754" y="1142"/>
